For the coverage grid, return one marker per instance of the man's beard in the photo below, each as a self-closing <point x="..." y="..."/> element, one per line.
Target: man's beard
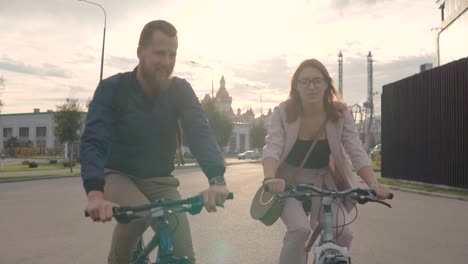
<point x="156" y="85"/>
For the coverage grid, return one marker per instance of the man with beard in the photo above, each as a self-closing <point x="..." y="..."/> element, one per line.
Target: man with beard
<point x="127" y="158"/>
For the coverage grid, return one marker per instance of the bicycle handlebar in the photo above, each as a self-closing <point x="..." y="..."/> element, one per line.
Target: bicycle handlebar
<point x="191" y="205"/>
<point x="358" y="191"/>
<point x="362" y="196"/>
<point x="302" y="187"/>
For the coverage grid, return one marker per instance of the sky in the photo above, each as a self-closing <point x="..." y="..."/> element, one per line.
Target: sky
<point x="51" y="49"/>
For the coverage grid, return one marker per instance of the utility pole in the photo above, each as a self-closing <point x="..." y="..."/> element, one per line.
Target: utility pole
<point x="370" y="96"/>
<point x="340" y="73"/>
<point x="261" y="106"/>
<point x="103" y="36"/>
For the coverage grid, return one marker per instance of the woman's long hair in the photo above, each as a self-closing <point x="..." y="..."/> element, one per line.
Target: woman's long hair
<point x="331" y="100"/>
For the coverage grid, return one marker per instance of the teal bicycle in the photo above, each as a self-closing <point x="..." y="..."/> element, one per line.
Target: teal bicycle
<point x="158" y="212"/>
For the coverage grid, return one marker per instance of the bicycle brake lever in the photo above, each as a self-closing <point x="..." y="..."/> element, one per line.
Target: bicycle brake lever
<point x="371" y="198"/>
<point x="123" y="216"/>
<point x="382" y="202"/>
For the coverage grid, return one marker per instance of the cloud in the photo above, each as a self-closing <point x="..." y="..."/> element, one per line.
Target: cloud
<point x="402" y="67"/>
<point x="265" y="80"/>
<point x="85" y="56"/>
<point x="384" y="72"/>
<point x="185" y="74"/>
<point x="269" y="79"/>
<point x="43" y="70"/>
<point x="72" y="9"/>
<point x="343" y="4"/>
<point x="273" y="73"/>
<point x="123" y="63"/>
<point x="77" y="89"/>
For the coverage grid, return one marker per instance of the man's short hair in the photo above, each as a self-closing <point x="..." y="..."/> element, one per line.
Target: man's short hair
<point x="161" y="25"/>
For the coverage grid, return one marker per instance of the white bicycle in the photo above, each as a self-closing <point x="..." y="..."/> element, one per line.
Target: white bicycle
<point x="327" y="252"/>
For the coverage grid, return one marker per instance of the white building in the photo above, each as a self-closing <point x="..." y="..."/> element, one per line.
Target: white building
<point x="242" y="122"/>
<point x="37" y="127"/>
<point x="452" y="35"/>
<point x="240" y="140"/>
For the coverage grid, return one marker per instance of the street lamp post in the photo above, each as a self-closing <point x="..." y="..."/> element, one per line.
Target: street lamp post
<point x="261" y="98"/>
<point x="212" y="86"/>
<point x="104" y="34"/>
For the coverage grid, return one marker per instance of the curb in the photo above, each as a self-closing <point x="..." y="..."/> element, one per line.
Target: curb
<point x="36" y="178"/>
<point x="439" y="195"/>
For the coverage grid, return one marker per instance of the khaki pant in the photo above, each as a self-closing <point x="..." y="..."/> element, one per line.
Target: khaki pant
<point x="299" y="226"/>
<point x="126" y="190"/>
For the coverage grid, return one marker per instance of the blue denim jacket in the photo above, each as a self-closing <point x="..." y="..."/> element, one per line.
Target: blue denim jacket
<point x="142" y="140"/>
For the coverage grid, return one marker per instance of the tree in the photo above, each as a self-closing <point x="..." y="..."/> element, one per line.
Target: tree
<point x="88" y="102"/>
<point x="68" y="122"/>
<point x="2" y="84"/>
<point x="257" y="134"/>
<point x="11" y="146"/>
<point x="219" y="122"/>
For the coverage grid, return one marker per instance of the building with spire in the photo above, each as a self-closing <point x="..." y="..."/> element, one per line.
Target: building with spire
<point x="223" y="100"/>
<point x="240" y="141"/>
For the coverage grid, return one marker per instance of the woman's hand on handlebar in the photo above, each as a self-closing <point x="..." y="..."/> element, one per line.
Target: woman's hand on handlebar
<point x="99" y="209"/>
<point x="275" y="185"/>
<point x="381" y="192"/>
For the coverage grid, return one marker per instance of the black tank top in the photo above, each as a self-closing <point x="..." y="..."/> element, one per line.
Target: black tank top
<point x="319" y="157"/>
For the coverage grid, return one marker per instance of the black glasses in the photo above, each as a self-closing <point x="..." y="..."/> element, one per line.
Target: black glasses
<point x="317" y="82"/>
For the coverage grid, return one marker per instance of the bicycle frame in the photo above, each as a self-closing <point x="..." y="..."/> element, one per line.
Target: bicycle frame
<point x="326" y="251"/>
<point x="163" y="238"/>
<point x="158" y="212"/>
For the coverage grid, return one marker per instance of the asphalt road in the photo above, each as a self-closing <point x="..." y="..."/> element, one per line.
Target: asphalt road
<point x="42" y="222"/>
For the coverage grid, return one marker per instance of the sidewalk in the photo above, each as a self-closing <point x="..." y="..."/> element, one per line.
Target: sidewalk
<point x="432" y="193"/>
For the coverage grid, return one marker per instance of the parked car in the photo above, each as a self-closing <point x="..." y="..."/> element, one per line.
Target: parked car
<point x="249" y="154"/>
<point x="376" y="153"/>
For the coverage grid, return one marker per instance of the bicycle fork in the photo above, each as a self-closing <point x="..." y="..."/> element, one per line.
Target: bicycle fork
<point x="327" y="251"/>
<point x="163" y="239"/>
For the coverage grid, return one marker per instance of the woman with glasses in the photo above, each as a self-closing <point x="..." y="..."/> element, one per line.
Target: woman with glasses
<point x="313" y="112"/>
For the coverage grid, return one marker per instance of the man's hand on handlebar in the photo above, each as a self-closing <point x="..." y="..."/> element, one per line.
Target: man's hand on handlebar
<point x="99" y="209"/>
<point x="214" y="196"/>
<point x="275" y="185"/>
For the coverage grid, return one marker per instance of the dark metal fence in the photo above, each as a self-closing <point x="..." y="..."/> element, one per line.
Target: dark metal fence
<point x="425" y="126"/>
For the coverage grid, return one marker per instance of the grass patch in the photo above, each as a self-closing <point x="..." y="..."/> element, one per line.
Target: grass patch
<point x="77" y="173"/>
<point x="423" y="188"/>
<point x="375" y="166"/>
<point x="40" y="157"/>
<point x="39" y="176"/>
<point x="42" y="166"/>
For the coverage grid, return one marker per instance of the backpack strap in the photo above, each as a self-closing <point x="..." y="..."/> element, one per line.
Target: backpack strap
<point x="119" y="99"/>
<point x="179" y="142"/>
<point x="177" y="106"/>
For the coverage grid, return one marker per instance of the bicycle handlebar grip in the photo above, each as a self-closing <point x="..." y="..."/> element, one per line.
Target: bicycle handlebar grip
<point x="390" y="195"/>
<point x="287" y="188"/>
<point x="114" y="210"/>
